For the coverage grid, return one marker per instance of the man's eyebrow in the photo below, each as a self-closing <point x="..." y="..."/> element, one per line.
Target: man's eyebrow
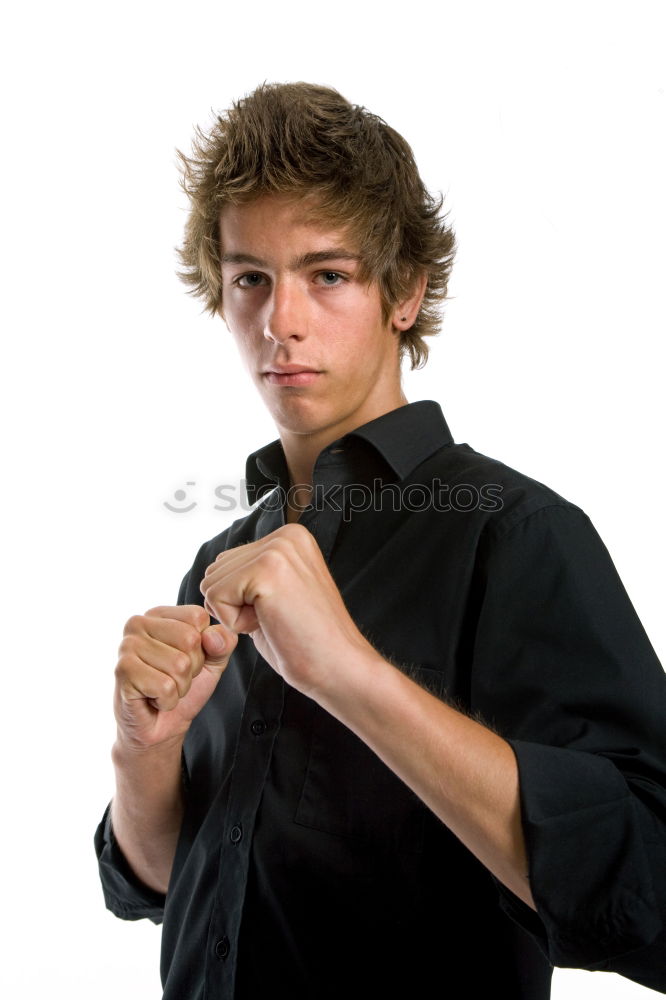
<point x="321" y="257"/>
<point x="305" y="260"/>
<point x="243" y="258"/>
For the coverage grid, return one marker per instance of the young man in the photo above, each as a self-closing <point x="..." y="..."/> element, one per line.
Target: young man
<point x="420" y="744"/>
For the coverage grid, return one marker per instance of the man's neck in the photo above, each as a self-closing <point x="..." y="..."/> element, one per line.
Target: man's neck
<point x="302" y="450"/>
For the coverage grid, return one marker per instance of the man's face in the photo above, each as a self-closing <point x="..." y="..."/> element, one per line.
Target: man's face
<point x="310" y="331"/>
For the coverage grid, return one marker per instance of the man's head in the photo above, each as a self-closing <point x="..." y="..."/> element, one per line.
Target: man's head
<point x="299" y="138"/>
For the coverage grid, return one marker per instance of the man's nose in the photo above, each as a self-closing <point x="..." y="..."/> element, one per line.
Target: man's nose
<point x="286" y="315"/>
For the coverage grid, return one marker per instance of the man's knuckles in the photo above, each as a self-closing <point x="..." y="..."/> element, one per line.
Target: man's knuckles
<point x="275" y="559"/>
<point x="192" y="614"/>
<point x="297" y="533"/>
<point x="164" y="690"/>
<point x="284" y="539"/>
<point x="189" y="639"/>
<point x="135" y="625"/>
<point x="182" y="635"/>
<point x="136" y="661"/>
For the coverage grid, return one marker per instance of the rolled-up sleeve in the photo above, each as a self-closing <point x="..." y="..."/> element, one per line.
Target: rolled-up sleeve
<point x="125" y="895"/>
<point x="564" y="671"/>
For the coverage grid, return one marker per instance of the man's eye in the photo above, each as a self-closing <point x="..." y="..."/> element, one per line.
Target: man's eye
<point x="251" y="280"/>
<point x="331" y="278"/>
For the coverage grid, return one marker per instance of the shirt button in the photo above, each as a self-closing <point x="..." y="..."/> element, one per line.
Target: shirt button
<point x="258" y="727"/>
<point x="235" y="834"/>
<point x="222" y="948"/>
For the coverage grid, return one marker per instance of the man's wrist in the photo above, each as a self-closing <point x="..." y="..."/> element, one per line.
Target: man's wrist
<point x="353" y="688"/>
<point x="127" y="752"/>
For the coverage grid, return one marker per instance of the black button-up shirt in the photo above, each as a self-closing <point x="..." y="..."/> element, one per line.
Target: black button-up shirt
<point x="305" y="865"/>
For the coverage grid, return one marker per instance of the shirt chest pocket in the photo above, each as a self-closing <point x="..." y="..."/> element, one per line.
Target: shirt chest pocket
<point x="349" y="792"/>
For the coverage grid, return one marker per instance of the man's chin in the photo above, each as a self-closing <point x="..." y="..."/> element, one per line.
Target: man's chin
<point x="295" y="409"/>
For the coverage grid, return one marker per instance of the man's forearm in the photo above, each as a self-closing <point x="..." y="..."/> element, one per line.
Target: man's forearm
<point x="147" y="809"/>
<point x="463" y="771"/>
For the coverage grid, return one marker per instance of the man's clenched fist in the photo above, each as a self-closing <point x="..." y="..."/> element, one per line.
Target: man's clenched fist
<point x="170" y="661"/>
<point x="279" y="591"/>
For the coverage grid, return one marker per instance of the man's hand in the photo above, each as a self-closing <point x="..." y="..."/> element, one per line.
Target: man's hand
<point x="170" y="661"/>
<point x="279" y="590"/>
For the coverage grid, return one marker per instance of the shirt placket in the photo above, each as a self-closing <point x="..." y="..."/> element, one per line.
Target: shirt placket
<point x="324" y="514"/>
<point x="259" y="728"/>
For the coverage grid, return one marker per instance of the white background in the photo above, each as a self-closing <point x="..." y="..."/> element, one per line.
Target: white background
<point x="543" y="123"/>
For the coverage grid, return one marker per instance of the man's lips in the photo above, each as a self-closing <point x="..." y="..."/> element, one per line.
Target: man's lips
<point x="291" y="375"/>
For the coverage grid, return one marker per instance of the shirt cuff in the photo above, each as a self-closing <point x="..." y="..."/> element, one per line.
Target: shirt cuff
<point x="587" y="839"/>
<point x="125" y="895"/>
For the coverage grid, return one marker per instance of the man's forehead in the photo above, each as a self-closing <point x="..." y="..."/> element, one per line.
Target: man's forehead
<point x="252" y="232"/>
<point x="295" y="211"/>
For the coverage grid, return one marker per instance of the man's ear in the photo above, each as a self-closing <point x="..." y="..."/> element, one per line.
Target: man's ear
<point x="403" y="315"/>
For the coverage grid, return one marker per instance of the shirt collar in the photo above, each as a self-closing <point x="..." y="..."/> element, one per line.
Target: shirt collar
<point x="404" y="437"/>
